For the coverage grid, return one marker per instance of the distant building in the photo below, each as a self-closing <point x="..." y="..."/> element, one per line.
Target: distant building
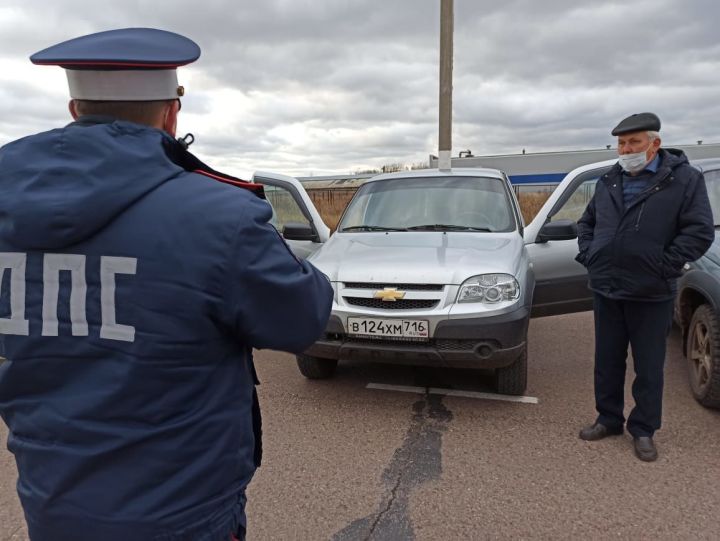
<point x="527" y="168"/>
<point x="551" y="167"/>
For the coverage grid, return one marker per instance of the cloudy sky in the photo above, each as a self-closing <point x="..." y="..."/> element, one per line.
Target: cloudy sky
<point x="312" y="87"/>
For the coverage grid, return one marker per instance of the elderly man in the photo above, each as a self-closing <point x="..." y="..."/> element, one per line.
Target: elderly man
<point x="134" y="283"/>
<point x="649" y="216"/>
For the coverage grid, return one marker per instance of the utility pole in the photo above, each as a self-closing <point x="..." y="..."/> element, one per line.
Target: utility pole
<point x="446" y="68"/>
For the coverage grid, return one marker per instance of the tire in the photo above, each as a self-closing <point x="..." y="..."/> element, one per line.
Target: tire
<point x="315" y="368"/>
<point x="512" y="379"/>
<point x="703" y="356"/>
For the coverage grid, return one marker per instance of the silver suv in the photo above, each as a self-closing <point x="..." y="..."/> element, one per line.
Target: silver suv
<point x="429" y="267"/>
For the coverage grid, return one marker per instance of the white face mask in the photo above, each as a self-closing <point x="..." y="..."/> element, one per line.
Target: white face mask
<point x="634" y="163"/>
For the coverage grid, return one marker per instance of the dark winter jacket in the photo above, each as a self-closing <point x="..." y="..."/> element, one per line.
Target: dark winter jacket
<point x="132" y="292"/>
<point x="637" y="252"/>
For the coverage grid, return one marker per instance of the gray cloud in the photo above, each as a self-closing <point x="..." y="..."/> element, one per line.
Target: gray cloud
<point x="25" y="109"/>
<point x="334" y="86"/>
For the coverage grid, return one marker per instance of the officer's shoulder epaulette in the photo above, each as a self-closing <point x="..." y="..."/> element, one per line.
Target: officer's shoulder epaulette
<point x="180" y="156"/>
<point x="257" y="189"/>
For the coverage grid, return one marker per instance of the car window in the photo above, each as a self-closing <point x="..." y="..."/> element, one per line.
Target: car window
<point x="575" y="205"/>
<point x="573" y="202"/>
<point x="712" y="181"/>
<point x="285" y="208"/>
<point x="474" y="202"/>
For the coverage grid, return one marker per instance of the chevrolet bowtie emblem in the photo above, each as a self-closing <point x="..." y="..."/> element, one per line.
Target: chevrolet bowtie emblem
<point x="389" y="294"/>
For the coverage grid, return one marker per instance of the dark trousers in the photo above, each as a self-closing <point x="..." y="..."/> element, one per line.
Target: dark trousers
<point x="645" y="327"/>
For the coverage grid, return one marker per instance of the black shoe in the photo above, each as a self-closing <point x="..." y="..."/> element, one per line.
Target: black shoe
<point x="645" y="449"/>
<point x="597" y="431"/>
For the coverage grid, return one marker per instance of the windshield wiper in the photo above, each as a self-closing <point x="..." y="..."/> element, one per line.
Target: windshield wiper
<point x="447" y="227"/>
<point x="371" y="228"/>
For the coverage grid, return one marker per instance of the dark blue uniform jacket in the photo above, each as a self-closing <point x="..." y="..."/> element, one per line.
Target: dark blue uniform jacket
<point x="636" y="252"/>
<point x="131" y="294"/>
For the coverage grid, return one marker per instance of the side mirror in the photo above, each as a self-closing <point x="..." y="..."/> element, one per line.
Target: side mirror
<point x="561" y="230"/>
<point x="299" y="231"/>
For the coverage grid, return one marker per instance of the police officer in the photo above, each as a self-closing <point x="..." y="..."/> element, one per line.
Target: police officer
<point x="134" y="283"/>
<point x="649" y="216"/>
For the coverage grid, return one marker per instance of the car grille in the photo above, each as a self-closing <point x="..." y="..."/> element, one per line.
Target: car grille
<point x="444" y="344"/>
<point x="401" y="287"/>
<point x="402" y="304"/>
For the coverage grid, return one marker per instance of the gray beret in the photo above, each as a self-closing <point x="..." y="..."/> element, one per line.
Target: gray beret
<point x="638" y="122"/>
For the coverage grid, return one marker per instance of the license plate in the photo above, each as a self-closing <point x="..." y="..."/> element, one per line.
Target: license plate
<point x="398" y="328"/>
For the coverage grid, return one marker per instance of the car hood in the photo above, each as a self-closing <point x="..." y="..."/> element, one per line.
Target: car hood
<point x="418" y="257"/>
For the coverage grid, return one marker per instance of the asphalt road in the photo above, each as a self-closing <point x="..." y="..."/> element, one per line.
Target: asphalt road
<point x="347" y="462"/>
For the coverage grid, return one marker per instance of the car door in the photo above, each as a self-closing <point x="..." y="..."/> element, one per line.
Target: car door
<point x="560" y="281"/>
<point x="294" y="214"/>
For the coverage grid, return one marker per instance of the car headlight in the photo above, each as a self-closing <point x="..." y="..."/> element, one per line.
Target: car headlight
<point x="489" y="289"/>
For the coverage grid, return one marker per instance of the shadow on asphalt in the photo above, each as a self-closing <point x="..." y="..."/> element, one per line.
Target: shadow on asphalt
<point x="362" y="373"/>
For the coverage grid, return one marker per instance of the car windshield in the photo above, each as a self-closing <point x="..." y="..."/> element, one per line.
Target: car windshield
<point x="712" y="181"/>
<point x="468" y="204"/>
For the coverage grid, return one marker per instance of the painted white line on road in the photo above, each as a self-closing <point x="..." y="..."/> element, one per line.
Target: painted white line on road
<point x="486" y="396"/>
<point x="398" y="388"/>
<point x="453" y="392"/>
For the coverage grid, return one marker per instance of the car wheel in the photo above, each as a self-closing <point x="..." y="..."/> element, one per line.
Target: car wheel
<point x="316" y="368"/>
<point x="513" y="379"/>
<point x="703" y="356"/>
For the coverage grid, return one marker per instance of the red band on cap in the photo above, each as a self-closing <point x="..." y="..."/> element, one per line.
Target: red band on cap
<point x="63" y="64"/>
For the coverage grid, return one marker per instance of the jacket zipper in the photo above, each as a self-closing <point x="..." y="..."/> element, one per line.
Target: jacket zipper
<point x="642" y="198"/>
<point x="660" y="184"/>
<point x="637" y="223"/>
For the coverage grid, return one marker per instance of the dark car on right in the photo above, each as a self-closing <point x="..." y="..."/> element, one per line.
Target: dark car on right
<point x="697" y="308"/>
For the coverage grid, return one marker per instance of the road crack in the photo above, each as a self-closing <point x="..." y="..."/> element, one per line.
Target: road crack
<point x="381" y="514"/>
<point x="417" y="461"/>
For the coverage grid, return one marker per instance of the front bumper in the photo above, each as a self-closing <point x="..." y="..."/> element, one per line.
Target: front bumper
<point x="484" y="342"/>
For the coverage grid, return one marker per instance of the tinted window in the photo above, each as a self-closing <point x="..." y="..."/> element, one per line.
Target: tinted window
<point x="285" y="208"/>
<point x="712" y="181"/>
<point x="576" y="204"/>
<point x="577" y="196"/>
